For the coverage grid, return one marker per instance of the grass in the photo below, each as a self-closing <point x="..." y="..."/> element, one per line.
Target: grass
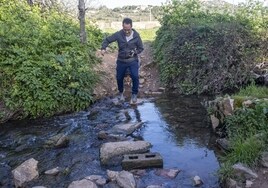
<point x="247" y="130"/>
<point x="252" y="91"/>
<point x="146" y="34"/>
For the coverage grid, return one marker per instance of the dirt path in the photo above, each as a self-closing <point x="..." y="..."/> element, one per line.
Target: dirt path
<point x="149" y="76"/>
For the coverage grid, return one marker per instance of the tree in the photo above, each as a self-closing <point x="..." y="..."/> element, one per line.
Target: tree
<point x="82" y="11"/>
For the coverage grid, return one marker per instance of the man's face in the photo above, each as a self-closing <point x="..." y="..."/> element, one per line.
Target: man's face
<point x="127" y="29"/>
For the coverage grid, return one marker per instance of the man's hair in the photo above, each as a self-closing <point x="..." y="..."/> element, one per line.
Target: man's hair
<point x="127" y="21"/>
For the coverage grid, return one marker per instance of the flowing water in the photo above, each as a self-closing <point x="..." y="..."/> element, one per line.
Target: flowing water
<point x="176" y="126"/>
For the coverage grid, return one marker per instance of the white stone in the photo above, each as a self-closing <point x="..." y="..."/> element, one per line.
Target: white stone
<point x="25" y="172"/>
<point x="84" y="183"/>
<point x="126" y="180"/>
<point x="53" y="171"/>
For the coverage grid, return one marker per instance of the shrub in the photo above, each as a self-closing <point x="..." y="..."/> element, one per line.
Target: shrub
<point x="44" y="68"/>
<point x="201" y="51"/>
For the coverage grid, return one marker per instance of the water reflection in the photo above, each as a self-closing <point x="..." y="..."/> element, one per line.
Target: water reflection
<point x="178" y="129"/>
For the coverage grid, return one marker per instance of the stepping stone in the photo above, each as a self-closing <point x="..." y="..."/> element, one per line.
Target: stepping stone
<point x="144" y="160"/>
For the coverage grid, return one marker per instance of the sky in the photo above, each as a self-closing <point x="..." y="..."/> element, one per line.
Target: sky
<point x="120" y="3"/>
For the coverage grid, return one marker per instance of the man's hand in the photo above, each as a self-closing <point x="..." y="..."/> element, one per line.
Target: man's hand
<point x="103" y="52"/>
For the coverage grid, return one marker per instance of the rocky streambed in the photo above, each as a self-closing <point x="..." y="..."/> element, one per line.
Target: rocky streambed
<point x="86" y="149"/>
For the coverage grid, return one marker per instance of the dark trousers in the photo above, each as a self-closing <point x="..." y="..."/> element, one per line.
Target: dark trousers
<point x="121" y="69"/>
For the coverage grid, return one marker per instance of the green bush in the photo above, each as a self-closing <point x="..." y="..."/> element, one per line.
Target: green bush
<point x="248" y="121"/>
<point x="44" y="67"/>
<point x="247" y="131"/>
<point x="201" y="51"/>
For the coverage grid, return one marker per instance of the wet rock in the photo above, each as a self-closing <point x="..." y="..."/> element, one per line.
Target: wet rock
<point x="25" y="172"/>
<point x="197" y="181"/>
<point x="103" y="135"/>
<point x="264" y="159"/>
<point x="223" y="143"/>
<point x="112" y="175"/>
<point x="111" y="185"/>
<point x="154" y="186"/>
<point x="113" y="149"/>
<point x="126" y="180"/>
<point x="244" y="171"/>
<point x="93" y="114"/>
<point x="126" y="128"/>
<point x="53" y="171"/>
<point x="84" y="183"/>
<point x="138" y="172"/>
<point x="99" y="180"/>
<point x="58" y="141"/>
<point x="169" y="173"/>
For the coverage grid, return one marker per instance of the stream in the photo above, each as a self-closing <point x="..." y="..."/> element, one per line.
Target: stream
<point x="177" y="126"/>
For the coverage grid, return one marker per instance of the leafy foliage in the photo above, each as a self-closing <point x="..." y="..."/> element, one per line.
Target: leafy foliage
<point x="201" y="51"/>
<point x="44" y="68"/>
<point x="247" y="131"/>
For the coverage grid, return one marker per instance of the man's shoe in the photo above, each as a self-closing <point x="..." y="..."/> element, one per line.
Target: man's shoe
<point x="121" y="97"/>
<point x="134" y="98"/>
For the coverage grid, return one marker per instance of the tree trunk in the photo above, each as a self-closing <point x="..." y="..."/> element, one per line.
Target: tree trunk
<point x="82" y="11"/>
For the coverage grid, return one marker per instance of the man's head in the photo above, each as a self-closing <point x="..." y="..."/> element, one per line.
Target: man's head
<point x="127" y="26"/>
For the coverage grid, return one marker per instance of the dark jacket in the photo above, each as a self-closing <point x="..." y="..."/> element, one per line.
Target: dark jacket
<point x="125" y="51"/>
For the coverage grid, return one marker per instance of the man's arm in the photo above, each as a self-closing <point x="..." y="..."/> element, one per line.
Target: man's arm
<point x="107" y="41"/>
<point x="139" y="45"/>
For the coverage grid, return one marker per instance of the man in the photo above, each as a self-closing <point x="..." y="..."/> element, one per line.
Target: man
<point x="129" y="46"/>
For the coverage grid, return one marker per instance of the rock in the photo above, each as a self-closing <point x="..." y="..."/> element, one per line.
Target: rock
<point x="248" y="183"/>
<point x="126" y="180"/>
<point x="99" y="180"/>
<point x="25" y="172"/>
<point x="84" y="183"/>
<point x="39" y="187"/>
<point x="138" y="172"/>
<point x="223" y="143"/>
<point x="126" y="128"/>
<point x="266" y="80"/>
<point x="214" y="121"/>
<point x="244" y="171"/>
<point x="264" y="159"/>
<point x="59" y="141"/>
<point x="112" y="175"/>
<point x="230" y="183"/>
<point x="156" y="93"/>
<point x="228" y="106"/>
<point x="102" y="135"/>
<point x="197" y="181"/>
<point x="142" y="80"/>
<point x="154" y="186"/>
<point x="169" y="173"/>
<point x="161" y="89"/>
<point x="113" y="149"/>
<point x="53" y="171"/>
<point x="248" y="104"/>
